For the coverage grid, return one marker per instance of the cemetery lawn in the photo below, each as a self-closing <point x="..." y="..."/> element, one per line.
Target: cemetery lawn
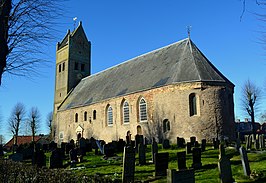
<point x="209" y="172"/>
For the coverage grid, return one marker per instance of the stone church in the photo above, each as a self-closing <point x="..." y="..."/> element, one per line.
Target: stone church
<point x="174" y="91"/>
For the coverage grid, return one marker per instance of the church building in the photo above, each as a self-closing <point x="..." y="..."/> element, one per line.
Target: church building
<point x="173" y="91"/>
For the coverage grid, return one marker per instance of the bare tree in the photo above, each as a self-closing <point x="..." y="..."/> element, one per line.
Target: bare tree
<point x="34" y="119"/>
<point x="49" y="122"/>
<point x="250" y="99"/>
<point x="17" y="117"/>
<point x="25" y="27"/>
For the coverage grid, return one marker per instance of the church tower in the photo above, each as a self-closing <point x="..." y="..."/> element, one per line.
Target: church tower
<point x="73" y="62"/>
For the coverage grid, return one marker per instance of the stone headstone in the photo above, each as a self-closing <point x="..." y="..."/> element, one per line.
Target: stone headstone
<point x="203" y="145"/>
<point x="128" y="165"/>
<point x="128" y="139"/>
<point x="181" y="160"/>
<point x="166" y="144"/>
<point x="82" y="146"/>
<point x="154" y="149"/>
<point x="196" y="156"/>
<point x="262" y="141"/>
<point x="224" y="167"/>
<point x="63" y="146"/>
<point x="72" y="142"/>
<point x="108" y="150"/>
<point x="184" y="176"/>
<point x="142" y="154"/>
<point x="56" y="160"/>
<point x="238" y="144"/>
<point x="216" y="143"/>
<point x="161" y="163"/>
<point x="188" y="148"/>
<point x="52" y="146"/>
<point x="73" y="154"/>
<point x="192" y="141"/>
<point x="257" y="144"/>
<point x="88" y="147"/>
<point x="16" y="157"/>
<point x="196" y="144"/>
<point x="39" y="159"/>
<point x="244" y="160"/>
<point x="68" y="147"/>
<point x="180" y="142"/>
<point x="120" y="145"/>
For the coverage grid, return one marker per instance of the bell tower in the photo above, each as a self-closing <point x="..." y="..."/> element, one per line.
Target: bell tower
<point x="73" y="62"/>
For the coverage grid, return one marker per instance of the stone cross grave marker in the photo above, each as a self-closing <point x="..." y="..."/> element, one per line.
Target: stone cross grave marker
<point x="181" y="160"/>
<point x="161" y="163"/>
<point x="128" y="165"/>
<point x="184" y="176"/>
<point x="196" y="156"/>
<point x="244" y="159"/>
<point x="224" y="166"/>
<point x="154" y="148"/>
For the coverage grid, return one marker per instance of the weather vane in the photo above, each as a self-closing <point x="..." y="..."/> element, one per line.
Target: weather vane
<point x="189" y="30"/>
<point x="75" y="20"/>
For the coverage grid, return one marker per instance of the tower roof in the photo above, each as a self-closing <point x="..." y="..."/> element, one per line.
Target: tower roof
<point x="176" y="63"/>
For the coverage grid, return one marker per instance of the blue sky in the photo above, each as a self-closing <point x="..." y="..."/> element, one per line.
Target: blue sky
<point x="120" y="30"/>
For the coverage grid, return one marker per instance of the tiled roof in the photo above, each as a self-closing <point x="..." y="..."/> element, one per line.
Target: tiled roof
<point x="176" y="63"/>
<point x="21" y="140"/>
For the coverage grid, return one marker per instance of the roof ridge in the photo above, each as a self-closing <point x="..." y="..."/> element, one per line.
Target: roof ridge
<point x="194" y="60"/>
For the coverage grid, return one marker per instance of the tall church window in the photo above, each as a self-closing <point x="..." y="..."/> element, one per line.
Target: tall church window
<point x="59" y="68"/>
<point x="192" y="104"/>
<point x="94" y="114"/>
<point x="110" y="116"/>
<point x="63" y="68"/>
<point x="166" y="125"/>
<point x="125" y="112"/>
<point x="143" y="110"/>
<point x="76" y="117"/>
<point x="85" y="116"/>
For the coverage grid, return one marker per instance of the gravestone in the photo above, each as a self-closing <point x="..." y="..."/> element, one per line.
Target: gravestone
<point x="128" y="165"/>
<point x="72" y="142"/>
<point x="142" y="154"/>
<point x="192" y="141"/>
<point x="184" y="176"/>
<point x="203" y="145"/>
<point x="257" y="144"/>
<point x="128" y="139"/>
<point x="45" y="147"/>
<point x="63" y="145"/>
<point x="196" y="156"/>
<point x="120" y="145"/>
<point x="154" y="148"/>
<point x="216" y="143"/>
<point x="244" y="160"/>
<point x="88" y="147"/>
<point x="39" y="159"/>
<point x="108" y="150"/>
<point x="161" y="163"/>
<point x="56" y="160"/>
<point x="180" y="142"/>
<point x="188" y="148"/>
<point x="16" y="157"/>
<point x="181" y="160"/>
<point x="1" y="150"/>
<point x="73" y="154"/>
<point x="52" y="146"/>
<point x="68" y="147"/>
<point x="238" y="144"/>
<point x="82" y="146"/>
<point x="166" y="144"/>
<point x="224" y="167"/>
<point x="262" y="141"/>
<point x="196" y="144"/>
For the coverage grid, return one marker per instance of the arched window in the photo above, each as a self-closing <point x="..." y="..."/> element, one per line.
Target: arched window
<point x="109" y="116"/>
<point x="85" y="115"/>
<point x="192" y="104"/>
<point x="142" y="110"/>
<point x="94" y="114"/>
<point x="125" y="112"/>
<point x="166" y="125"/>
<point x="76" y="117"/>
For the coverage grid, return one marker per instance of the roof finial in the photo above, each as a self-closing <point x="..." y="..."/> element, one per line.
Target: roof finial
<point x="75" y="20"/>
<point x="189" y="30"/>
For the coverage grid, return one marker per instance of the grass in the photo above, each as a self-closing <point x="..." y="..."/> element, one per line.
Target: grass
<point x="93" y="164"/>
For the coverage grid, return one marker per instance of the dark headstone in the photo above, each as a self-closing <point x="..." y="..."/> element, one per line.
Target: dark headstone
<point x="39" y="159"/>
<point x="52" y="146"/>
<point x="180" y="142"/>
<point x="16" y="157"/>
<point x="45" y="147"/>
<point x="72" y="142"/>
<point x="68" y="147"/>
<point x="224" y="167"/>
<point x="203" y="145"/>
<point x="215" y="143"/>
<point x="238" y="144"/>
<point x="181" y="160"/>
<point x="196" y="152"/>
<point x="262" y="141"/>
<point x="128" y="165"/>
<point x="154" y="149"/>
<point x="82" y="146"/>
<point x="196" y="144"/>
<point x="257" y="144"/>
<point x="161" y="163"/>
<point x="188" y="148"/>
<point x="88" y="147"/>
<point x="166" y="144"/>
<point x="108" y="150"/>
<point x="73" y="154"/>
<point x="120" y="145"/>
<point x="244" y="159"/>
<point x="142" y="154"/>
<point x="184" y="176"/>
<point x="128" y="139"/>
<point x="56" y="160"/>
<point x="192" y="141"/>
